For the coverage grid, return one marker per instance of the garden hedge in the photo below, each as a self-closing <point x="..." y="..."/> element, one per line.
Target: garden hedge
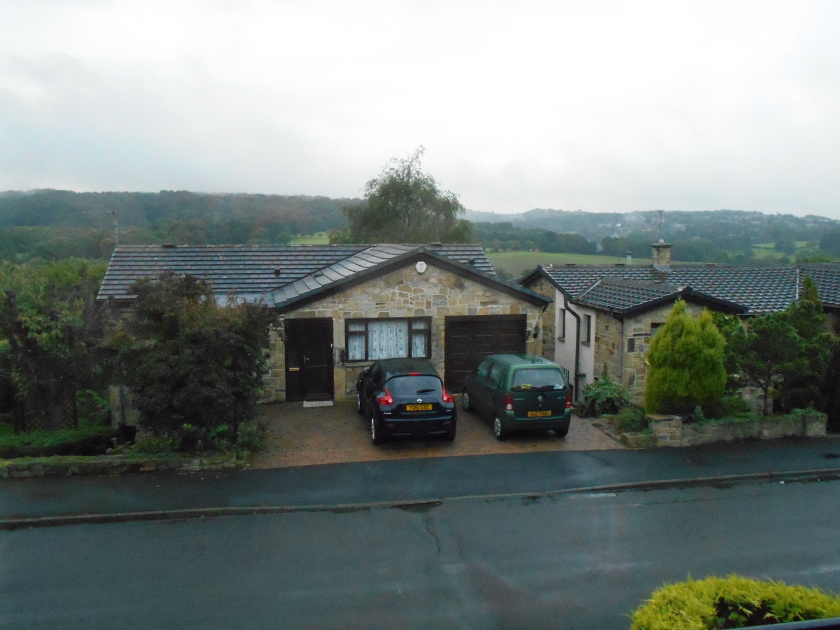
<point x="732" y="602"/>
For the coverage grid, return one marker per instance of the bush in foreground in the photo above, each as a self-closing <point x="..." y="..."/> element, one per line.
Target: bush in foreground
<point x="731" y="602"/>
<point x="604" y="397"/>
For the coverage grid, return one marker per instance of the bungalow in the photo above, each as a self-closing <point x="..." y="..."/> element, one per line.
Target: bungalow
<point x="605" y="315"/>
<point x="340" y="307"/>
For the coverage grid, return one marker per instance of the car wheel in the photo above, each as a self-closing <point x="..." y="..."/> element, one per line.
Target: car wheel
<point x="358" y="402"/>
<point x="465" y="401"/>
<point x="498" y="429"/>
<point x="561" y="433"/>
<point x="375" y="432"/>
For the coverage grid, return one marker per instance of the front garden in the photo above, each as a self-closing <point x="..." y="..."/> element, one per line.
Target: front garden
<point x="716" y="378"/>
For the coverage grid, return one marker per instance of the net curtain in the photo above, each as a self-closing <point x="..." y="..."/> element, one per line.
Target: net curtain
<point x="387" y="340"/>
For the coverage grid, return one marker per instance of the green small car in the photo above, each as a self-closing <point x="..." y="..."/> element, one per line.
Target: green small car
<point x="519" y="392"/>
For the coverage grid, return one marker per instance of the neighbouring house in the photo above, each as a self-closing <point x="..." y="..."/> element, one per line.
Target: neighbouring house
<point x="339" y="307"/>
<point x="605" y="315"/>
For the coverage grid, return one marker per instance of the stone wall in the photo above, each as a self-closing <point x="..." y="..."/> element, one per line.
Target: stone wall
<point x="436" y="293"/>
<point x="547" y="321"/>
<point x="672" y="431"/>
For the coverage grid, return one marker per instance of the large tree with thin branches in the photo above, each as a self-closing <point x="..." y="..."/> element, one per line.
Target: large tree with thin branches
<point x="403" y="204"/>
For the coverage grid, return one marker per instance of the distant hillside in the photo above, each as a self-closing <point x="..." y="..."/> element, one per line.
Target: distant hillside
<point x="674" y="225"/>
<point x="154" y="211"/>
<point x="50" y="224"/>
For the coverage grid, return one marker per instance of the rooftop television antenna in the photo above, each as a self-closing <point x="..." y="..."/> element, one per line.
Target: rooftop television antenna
<point x="113" y="214"/>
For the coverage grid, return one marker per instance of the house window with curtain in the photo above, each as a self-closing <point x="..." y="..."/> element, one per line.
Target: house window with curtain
<point x="371" y="339"/>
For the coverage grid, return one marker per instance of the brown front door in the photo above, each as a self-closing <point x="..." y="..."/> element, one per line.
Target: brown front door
<point x="309" y="359"/>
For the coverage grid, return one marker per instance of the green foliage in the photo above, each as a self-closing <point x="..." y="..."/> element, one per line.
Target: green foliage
<point x="507" y="237"/>
<point x="829" y="400"/>
<point x="54" y="224"/>
<point x="155" y="445"/>
<point x="93" y="408"/>
<point x="631" y="419"/>
<point x="405" y="205"/>
<point x="189" y="360"/>
<point x="787" y="351"/>
<point x="686" y="363"/>
<point x="52" y="326"/>
<point x="604" y="397"/>
<point x="62" y="441"/>
<point x="729" y="326"/>
<point x="726" y="406"/>
<point x="801" y="386"/>
<point x="252" y="436"/>
<point x="732" y="602"/>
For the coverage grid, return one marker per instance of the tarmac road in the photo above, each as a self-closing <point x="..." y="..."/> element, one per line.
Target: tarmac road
<point x="569" y="561"/>
<point x="50" y="502"/>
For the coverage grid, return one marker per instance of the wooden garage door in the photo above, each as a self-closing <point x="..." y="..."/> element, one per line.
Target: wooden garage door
<point x="468" y="339"/>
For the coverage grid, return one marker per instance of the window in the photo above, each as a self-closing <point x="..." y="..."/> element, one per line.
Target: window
<point x="586" y="332"/>
<point x="654" y="327"/>
<point x="497" y="372"/>
<point x="483" y="370"/>
<point x="370" y="339"/>
<point x="631" y="344"/>
<point x="561" y="324"/>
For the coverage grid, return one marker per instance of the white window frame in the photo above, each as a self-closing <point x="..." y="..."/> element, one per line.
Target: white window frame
<point x="356" y="329"/>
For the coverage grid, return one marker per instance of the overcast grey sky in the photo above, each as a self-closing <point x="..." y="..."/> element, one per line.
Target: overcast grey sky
<point x="598" y="105"/>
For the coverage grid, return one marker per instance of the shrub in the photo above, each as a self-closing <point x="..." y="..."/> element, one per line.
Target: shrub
<point x="686" y="363"/>
<point x="154" y="445"/>
<point x="732" y="602"/>
<point x="86" y="440"/>
<point x="251" y="436"/>
<point x="604" y="396"/>
<point x="631" y="419"/>
<point x="94" y="408"/>
<point x="725" y="407"/>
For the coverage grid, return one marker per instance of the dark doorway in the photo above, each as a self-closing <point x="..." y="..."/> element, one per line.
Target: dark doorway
<point x="309" y="359"/>
<point x="468" y="339"/>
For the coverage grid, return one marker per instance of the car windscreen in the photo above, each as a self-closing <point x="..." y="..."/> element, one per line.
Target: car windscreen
<point x="542" y="379"/>
<point x="413" y="385"/>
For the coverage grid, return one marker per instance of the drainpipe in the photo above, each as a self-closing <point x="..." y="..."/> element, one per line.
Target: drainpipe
<point x="577" y="373"/>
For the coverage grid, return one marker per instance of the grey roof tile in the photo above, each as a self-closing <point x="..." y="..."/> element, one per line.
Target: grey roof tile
<point x="620" y="294"/>
<point x="254" y="270"/>
<point x="758" y="290"/>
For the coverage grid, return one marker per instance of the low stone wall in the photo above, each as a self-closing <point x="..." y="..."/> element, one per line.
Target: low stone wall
<point x="672" y="431"/>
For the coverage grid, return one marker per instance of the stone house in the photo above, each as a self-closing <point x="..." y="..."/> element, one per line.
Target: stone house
<point x="339" y="307"/>
<point x="604" y="315"/>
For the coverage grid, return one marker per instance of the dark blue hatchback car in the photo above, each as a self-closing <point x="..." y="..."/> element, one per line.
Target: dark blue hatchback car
<point x="405" y="397"/>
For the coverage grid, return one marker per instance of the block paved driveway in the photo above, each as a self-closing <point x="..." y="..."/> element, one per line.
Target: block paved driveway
<point x="299" y="436"/>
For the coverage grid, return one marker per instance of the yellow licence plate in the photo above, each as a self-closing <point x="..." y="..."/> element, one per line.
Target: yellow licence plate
<point x="418" y="407"/>
<point x="539" y="414"/>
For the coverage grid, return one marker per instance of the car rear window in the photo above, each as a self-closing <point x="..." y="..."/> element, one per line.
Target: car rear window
<point x="413" y="385"/>
<point x="544" y="378"/>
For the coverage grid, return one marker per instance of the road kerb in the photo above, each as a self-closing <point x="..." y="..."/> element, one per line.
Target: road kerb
<point x="12" y="524"/>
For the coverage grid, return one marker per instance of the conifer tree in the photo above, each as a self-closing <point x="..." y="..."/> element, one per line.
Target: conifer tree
<point x="685" y="363"/>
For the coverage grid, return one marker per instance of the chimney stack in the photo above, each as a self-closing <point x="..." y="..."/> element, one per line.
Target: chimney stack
<point x="661" y="256"/>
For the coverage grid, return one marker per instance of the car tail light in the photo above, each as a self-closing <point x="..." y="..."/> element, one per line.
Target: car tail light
<point x="569" y="400"/>
<point x="385" y="399"/>
<point x="447" y="397"/>
<point x="508" y="402"/>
